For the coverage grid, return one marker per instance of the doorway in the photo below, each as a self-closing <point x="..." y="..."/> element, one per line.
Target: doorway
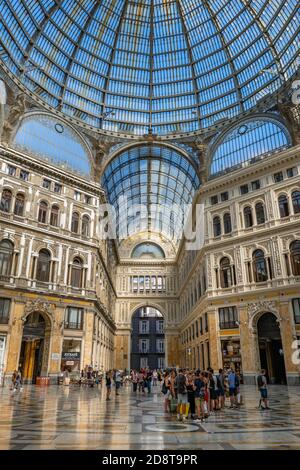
<point x="32" y="348"/>
<point x="270" y="348"/>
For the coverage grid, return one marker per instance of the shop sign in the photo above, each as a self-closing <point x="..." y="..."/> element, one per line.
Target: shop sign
<point x="70" y="356"/>
<point x="69" y="363"/>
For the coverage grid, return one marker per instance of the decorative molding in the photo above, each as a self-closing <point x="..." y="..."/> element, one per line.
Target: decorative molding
<point x="39" y="305"/>
<point x="261" y="305"/>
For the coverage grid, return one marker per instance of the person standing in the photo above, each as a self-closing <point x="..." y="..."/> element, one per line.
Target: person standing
<point x="154" y="376"/>
<point x="182" y="398"/>
<point x="191" y="393"/>
<point x="232" y="384"/>
<point x="134" y="379"/>
<point x="108" y="384"/>
<point x="263" y="388"/>
<point x="221" y="390"/>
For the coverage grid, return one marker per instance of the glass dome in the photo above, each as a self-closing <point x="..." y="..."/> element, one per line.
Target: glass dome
<point x="160" y="66"/>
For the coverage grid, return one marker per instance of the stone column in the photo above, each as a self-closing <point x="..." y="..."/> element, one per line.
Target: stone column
<point x="122" y="352"/>
<point x="214" y="340"/>
<point x="15" y="338"/>
<point x="288" y="335"/>
<point x="56" y="344"/>
<point x="88" y="337"/>
<point x="249" y="348"/>
<point x="172" y="348"/>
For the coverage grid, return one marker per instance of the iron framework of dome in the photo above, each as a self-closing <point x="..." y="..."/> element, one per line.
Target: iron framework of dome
<point x="160" y="66"/>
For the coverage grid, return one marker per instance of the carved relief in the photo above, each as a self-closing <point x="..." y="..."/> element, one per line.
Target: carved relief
<point x="261" y="306"/>
<point x="238" y="265"/>
<point x="39" y="305"/>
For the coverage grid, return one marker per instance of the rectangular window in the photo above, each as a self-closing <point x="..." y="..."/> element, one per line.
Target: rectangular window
<point x="24" y="175"/>
<point x="224" y="196"/>
<point x="74" y="318"/>
<point x="255" y="185"/>
<point x="77" y="195"/>
<point x="160" y="348"/>
<point x="144" y="362"/>
<point x="135" y="283"/>
<point x="278" y="177"/>
<point x="144" y="346"/>
<point x="159" y="326"/>
<point x="244" y="189"/>
<point x="87" y="199"/>
<point x="228" y="318"/>
<point x="147" y="283"/>
<point x="46" y="184"/>
<point x="290" y="172"/>
<point x="4" y="310"/>
<point x="57" y="188"/>
<point x="296" y="308"/>
<point x="206" y="323"/>
<point x="161" y="362"/>
<point x="11" y="170"/>
<point x="144" y="326"/>
<point x="214" y="200"/>
<point x="141" y="284"/>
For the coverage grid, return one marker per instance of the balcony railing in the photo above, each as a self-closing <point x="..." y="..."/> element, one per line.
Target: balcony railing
<point x="73" y="325"/>
<point x="226" y="325"/>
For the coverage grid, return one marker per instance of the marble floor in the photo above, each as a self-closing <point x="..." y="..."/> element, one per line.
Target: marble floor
<point x="59" y="417"/>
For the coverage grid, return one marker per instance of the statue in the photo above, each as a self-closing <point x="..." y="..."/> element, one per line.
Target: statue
<point x="16" y="110"/>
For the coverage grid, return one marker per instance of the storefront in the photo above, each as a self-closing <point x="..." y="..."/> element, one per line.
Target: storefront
<point x="70" y="358"/>
<point x="231" y="354"/>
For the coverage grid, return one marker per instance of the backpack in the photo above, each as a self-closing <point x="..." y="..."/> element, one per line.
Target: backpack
<point x="181" y="386"/>
<point x="164" y="388"/>
<point x="260" y="382"/>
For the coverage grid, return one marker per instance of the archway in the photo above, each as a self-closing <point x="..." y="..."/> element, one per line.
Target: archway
<point x="270" y="348"/>
<point x="147" y="339"/>
<point x="33" y="360"/>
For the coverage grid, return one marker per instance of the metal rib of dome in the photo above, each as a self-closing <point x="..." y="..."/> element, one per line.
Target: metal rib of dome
<point x="166" y="65"/>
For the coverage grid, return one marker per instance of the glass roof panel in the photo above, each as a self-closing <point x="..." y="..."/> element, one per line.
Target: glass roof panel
<point x="150" y="63"/>
<point x="159" y="177"/>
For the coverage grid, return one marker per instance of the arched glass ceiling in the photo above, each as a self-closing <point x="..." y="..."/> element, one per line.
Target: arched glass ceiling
<point x="247" y="141"/>
<point x="157" y="183"/>
<point x="168" y="65"/>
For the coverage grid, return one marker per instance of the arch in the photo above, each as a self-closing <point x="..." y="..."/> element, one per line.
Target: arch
<point x="54" y="215"/>
<point x="19" y="204"/>
<point x="6" y="257"/>
<point x="6" y="200"/>
<point x="246" y="142"/>
<point x="55" y="140"/>
<point x="76" y="272"/>
<point x="269" y="337"/>
<point x="153" y="250"/>
<point x="260" y="269"/>
<point x="283" y="205"/>
<point x="148" y="304"/>
<point x="85" y="225"/>
<point x="75" y="222"/>
<point x="43" y="208"/>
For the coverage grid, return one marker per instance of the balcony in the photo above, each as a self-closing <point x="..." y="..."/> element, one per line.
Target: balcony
<point x="228" y="325"/>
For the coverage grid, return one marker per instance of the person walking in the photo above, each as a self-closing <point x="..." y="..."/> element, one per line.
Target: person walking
<point x="154" y="376"/>
<point x="108" y="384"/>
<point x="134" y="379"/>
<point x="118" y="381"/>
<point x="232" y="384"/>
<point x="263" y="388"/>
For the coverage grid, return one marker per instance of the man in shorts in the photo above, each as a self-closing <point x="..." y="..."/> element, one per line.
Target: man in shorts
<point x="232" y="384"/>
<point x="182" y="396"/>
<point x="262" y="386"/>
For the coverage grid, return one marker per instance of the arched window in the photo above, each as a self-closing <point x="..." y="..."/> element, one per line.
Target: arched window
<point x="54" y="216"/>
<point x="227" y="223"/>
<point x="248" y="217"/>
<point x="217" y="226"/>
<point x="75" y="222"/>
<point x="6" y="199"/>
<point x="76" y="273"/>
<point x="260" y="213"/>
<point x="19" y="205"/>
<point x="296" y="201"/>
<point x="225" y="273"/>
<point x="85" y="226"/>
<point x="260" y="272"/>
<point x="6" y="254"/>
<point x="43" y="266"/>
<point x="43" y="211"/>
<point x="283" y="206"/>
<point x="295" y="257"/>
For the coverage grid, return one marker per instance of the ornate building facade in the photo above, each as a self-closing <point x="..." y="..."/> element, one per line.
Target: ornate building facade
<point x="143" y="130"/>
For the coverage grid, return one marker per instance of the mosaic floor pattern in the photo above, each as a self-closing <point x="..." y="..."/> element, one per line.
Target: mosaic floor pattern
<point x="59" y="417"/>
